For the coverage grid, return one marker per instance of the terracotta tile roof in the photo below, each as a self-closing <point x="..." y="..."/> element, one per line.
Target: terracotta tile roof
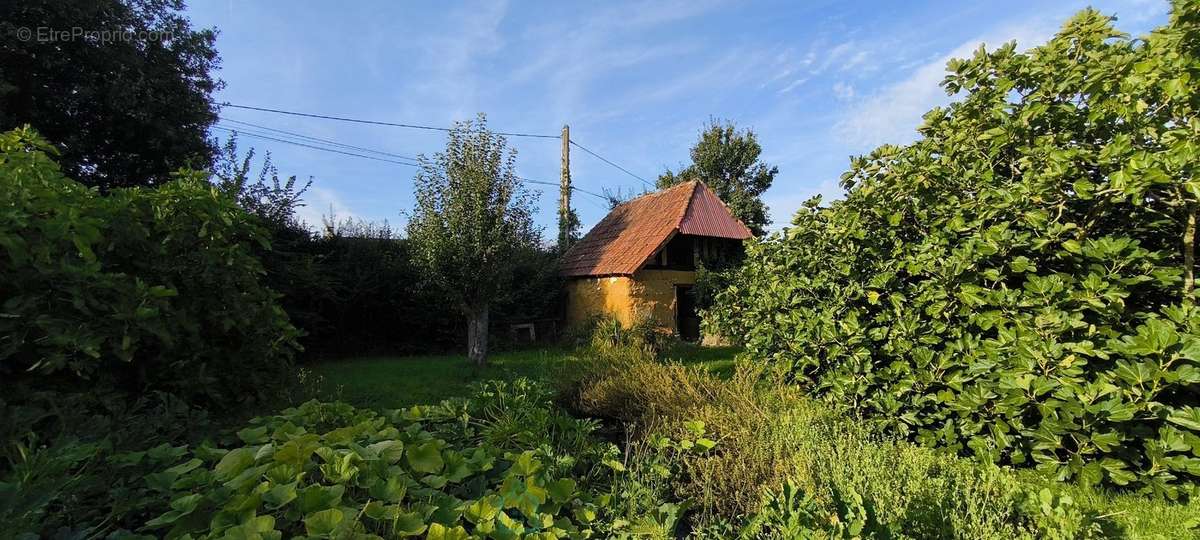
<point x="632" y="232"/>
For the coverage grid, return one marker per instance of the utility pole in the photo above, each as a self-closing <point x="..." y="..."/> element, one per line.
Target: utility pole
<point x="566" y="219"/>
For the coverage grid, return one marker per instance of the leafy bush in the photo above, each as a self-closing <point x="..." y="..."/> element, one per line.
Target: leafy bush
<point x="1017" y="284"/>
<point x="500" y="465"/>
<point x="604" y="335"/>
<point x="775" y="464"/>
<point x="139" y="289"/>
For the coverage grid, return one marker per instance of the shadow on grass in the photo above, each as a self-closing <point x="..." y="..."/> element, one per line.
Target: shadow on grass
<point x="390" y="382"/>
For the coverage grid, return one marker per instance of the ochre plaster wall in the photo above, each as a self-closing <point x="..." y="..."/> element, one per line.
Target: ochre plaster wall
<point x="588" y="297"/>
<point x="649" y="293"/>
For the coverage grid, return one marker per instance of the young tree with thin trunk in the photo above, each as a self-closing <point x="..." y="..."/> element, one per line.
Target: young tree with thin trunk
<point x="473" y="216"/>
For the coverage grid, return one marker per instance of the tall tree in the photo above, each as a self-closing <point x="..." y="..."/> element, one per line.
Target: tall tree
<point x="122" y="87"/>
<point x="473" y="216"/>
<point x="727" y="160"/>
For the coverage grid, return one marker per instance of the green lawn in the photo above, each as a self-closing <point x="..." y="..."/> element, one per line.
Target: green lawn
<point x="389" y="382"/>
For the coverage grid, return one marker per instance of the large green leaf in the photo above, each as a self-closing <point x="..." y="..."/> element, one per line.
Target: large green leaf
<point x="1188" y="417"/>
<point x="316" y="497"/>
<point x="409" y="524"/>
<point x="180" y="507"/>
<point x="258" y="528"/>
<point x="324" y="522"/>
<point x="438" y="531"/>
<point x="280" y="495"/>
<point x="562" y="490"/>
<point x="390" y="489"/>
<point x="233" y="463"/>
<point x="389" y="451"/>
<point x="426" y="458"/>
<point x="483" y="509"/>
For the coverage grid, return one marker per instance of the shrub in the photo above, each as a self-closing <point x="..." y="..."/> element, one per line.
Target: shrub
<point x="140" y="289"/>
<point x="1017" y="284"/>
<point x="606" y="335"/>
<point x="776" y="462"/>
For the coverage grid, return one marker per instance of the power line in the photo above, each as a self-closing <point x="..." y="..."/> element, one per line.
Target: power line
<point x="601" y="158"/>
<point x="418" y="126"/>
<point x="318" y="139"/>
<point x="233" y="130"/>
<point x="378" y="122"/>
<point x="573" y="188"/>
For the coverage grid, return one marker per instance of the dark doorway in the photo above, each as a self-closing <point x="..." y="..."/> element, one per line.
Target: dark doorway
<point x="686" y="318"/>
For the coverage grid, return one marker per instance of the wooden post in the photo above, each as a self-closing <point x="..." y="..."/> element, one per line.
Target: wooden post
<point x="564" y="196"/>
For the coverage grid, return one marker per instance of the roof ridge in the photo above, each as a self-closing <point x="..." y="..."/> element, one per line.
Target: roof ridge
<point x="723" y="203"/>
<point x="657" y="192"/>
<point x="622" y="242"/>
<point x="683" y="212"/>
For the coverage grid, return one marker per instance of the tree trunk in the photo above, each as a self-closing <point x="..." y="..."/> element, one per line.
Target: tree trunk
<point x="1189" y="254"/>
<point x="477" y="335"/>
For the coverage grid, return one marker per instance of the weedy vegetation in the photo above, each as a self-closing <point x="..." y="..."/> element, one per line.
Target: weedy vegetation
<point x="775" y="463"/>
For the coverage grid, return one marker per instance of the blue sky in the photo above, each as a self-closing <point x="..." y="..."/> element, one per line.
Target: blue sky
<point x="818" y="81"/>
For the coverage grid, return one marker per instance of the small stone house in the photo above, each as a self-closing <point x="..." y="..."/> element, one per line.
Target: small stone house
<point x="641" y="259"/>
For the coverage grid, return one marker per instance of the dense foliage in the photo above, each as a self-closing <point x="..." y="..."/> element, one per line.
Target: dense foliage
<point x="1017" y="283"/>
<point x="140" y="289"/>
<point x="503" y="464"/>
<point x="123" y="88"/>
<point x="354" y="289"/>
<point x="726" y="159"/>
<point x="472" y="220"/>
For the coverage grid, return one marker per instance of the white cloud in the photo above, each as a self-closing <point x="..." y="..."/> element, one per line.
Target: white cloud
<point x="893" y="114"/>
<point x="728" y="69"/>
<point x="601" y="44"/>
<point x="450" y="63"/>
<point x="843" y="91"/>
<point x="793" y="85"/>
<point x="859" y="59"/>
<point x="843" y="56"/>
<point x="321" y="203"/>
<point x="820" y="58"/>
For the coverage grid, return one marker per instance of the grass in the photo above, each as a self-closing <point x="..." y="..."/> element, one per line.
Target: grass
<point x="391" y="382"/>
